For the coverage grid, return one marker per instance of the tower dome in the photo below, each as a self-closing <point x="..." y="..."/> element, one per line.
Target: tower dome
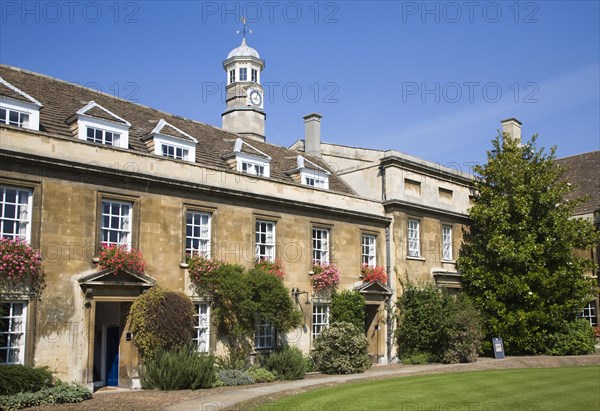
<point x="243" y="51"/>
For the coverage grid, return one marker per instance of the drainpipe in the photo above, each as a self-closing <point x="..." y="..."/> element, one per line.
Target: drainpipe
<point x="390" y="317"/>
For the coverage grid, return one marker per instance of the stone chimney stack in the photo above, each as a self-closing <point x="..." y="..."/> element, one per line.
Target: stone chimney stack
<point x="512" y="127"/>
<point x="312" y="134"/>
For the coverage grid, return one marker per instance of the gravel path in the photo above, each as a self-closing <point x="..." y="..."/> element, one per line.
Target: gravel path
<point x="146" y="400"/>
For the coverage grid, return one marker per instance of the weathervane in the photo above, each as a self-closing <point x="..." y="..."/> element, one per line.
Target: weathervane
<point x="244" y="28"/>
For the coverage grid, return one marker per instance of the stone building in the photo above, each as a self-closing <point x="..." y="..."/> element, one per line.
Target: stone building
<point x="582" y="171"/>
<point x="81" y="169"/>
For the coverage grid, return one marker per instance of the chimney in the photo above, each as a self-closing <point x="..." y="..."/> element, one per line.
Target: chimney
<point x="312" y="134"/>
<point x="512" y="127"/>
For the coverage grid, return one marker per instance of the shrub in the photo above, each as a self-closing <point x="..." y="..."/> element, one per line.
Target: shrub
<point x="120" y="257"/>
<point x="326" y="277"/>
<point x="22" y="378"/>
<point x="310" y="364"/>
<point x="259" y="374"/>
<point x="286" y="363"/>
<point x="21" y="267"/>
<point x="372" y="274"/>
<point x="576" y="338"/>
<point x="275" y="268"/>
<point x="348" y="306"/>
<point x="60" y="394"/>
<point x="234" y="360"/>
<point x="231" y="378"/>
<point x="435" y="326"/>
<point x="161" y="319"/>
<point x="463" y="337"/>
<point x="341" y="349"/>
<point x="416" y="359"/>
<point x="179" y="369"/>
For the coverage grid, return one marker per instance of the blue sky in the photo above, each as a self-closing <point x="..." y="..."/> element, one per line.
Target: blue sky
<point x="431" y="79"/>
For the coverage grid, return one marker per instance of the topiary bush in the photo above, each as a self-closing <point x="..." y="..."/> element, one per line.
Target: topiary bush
<point x="341" y="349"/>
<point x="348" y="306"/>
<point x="230" y="378"/>
<point x="179" y="369"/>
<point x="60" y="394"/>
<point x="22" y="378"/>
<point x="287" y="363"/>
<point x="576" y="338"/>
<point x="161" y="319"/>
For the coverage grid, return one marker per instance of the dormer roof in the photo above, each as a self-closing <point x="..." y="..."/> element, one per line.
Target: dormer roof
<point x="170" y="130"/>
<point x="7" y="89"/>
<point x="93" y="109"/>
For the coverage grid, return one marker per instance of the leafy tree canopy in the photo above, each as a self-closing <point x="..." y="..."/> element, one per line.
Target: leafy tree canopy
<point x="517" y="262"/>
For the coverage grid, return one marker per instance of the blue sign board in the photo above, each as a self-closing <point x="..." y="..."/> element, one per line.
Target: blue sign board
<point x="498" y="348"/>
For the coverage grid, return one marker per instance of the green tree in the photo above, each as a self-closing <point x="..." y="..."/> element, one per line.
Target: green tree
<point x="517" y="262"/>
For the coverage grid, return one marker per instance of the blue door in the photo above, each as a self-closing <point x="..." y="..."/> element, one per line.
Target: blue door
<point x="112" y="356"/>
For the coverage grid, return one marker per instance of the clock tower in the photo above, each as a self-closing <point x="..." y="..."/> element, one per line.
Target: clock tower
<point x="245" y="113"/>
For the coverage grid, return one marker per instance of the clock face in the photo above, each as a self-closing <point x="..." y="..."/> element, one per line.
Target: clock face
<point x="255" y="98"/>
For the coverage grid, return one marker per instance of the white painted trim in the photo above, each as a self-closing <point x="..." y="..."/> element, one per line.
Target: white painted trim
<point x="162" y="123"/>
<point x="21" y="92"/>
<point x="84" y="121"/>
<point x="93" y="104"/>
<point x="301" y="164"/>
<point x="255" y="160"/>
<point x="237" y="148"/>
<point x="160" y="139"/>
<point x="31" y="109"/>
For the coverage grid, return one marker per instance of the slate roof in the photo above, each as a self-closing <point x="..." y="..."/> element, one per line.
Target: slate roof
<point x="583" y="171"/>
<point x="61" y="100"/>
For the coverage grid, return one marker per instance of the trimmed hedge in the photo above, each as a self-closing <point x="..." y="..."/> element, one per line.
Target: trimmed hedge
<point x="161" y="319"/>
<point x="22" y="378"/>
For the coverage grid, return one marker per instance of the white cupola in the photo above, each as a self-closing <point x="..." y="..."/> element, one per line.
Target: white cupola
<point x="244" y="114"/>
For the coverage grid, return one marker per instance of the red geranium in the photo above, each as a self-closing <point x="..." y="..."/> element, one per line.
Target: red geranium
<point x="372" y="274"/>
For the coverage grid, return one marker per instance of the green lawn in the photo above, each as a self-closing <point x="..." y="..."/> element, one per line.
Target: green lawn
<point x="533" y="389"/>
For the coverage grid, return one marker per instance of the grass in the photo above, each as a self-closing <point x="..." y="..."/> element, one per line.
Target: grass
<point x="537" y="389"/>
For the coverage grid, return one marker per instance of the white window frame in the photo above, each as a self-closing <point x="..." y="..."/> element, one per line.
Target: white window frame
<point x="265" y="232"/>
<point x="178" y="153"/>
<point x="413" y="238"/>
<point x="116" y="137"/>
<point x="22" y="117"/>
<point x="84" y="122"/>
<point x="198" y="242"/>
<point x="589" y="312"/>
<point x="320" y="245"/>
<point x="31" y="107"/>
<point x="231" y="76"/>
<point x="369" y="250"/>
<point x="124" y="234"/>
<point x="161" y="140"/>
<point x="313" y="178"/>
<point x="320" y="319"/>
<point x="447" y="242"/>
<point x="254" y="75"/>
<point x="252" y="163"/>
<point x="243" y="73"/>
<point x="202" y="326"/>
<point x="21" y="220"/>
<point x="264" y="334"/>
<point x="10" y="335"/>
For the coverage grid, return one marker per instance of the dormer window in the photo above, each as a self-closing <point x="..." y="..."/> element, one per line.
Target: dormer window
<point x="18" y="108"/>
<point x="310" y="174"/>
<point x="97" y="135"/>
<point x="243" y="74"/>
<point x="178" y="153"/>
<point x="98" y="125"/>
<point x="247" y="159"/>
<point x="168" y="141"/>
<point x="14" y="118"/>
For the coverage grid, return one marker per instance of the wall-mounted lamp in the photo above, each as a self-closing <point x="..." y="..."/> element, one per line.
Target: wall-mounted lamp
<point x="297" y="293"/>
<point x="88" y="298"/>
